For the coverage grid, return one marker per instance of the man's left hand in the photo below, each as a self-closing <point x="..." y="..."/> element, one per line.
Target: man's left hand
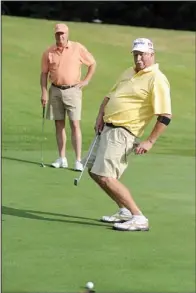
<point x="143" y="147"/>
<point x="82" y="84"/>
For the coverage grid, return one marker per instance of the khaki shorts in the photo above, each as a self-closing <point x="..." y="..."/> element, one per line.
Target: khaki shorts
<point x="64" y="101"/>
<point x="109" y="157"/>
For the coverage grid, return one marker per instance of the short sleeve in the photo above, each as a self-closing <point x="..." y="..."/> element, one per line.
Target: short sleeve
<point x="44" y="63"/>
<point x="161" y="99"/>
<point x="86" y="57"/>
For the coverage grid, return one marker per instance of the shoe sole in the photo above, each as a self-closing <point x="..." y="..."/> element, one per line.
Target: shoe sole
<point x="113" y="222"/>
<point x="59" y="167"/>
<point x="127" y="230"/>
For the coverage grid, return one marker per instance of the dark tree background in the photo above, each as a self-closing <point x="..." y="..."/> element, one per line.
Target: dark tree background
<point x="168" y="15"/>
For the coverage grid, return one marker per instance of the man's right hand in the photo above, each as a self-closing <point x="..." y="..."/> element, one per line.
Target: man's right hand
<point x="99" y="124"/>
<point x="44" y="99"/>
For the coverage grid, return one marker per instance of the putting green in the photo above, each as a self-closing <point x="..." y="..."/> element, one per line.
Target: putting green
<point x="52" y="240"/>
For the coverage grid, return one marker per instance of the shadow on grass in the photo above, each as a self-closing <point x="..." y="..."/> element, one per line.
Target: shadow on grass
<point x="35" y="163"/>
<point x="20" y="160"/>
<point x="44" y="216"/>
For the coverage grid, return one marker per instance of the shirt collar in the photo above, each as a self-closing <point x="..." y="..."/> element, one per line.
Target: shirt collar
<point x="150" y="68"/>
<point x="56" y="48"/>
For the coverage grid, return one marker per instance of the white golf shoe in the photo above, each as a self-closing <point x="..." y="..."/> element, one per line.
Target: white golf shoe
<point x="78" y="166"/>
<point x="60" y="163"/>
<point x="135" y="224"/>
<point x="119" y="217"/>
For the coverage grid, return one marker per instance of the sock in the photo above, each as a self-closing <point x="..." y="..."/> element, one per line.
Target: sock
<point x="125" y="211"/>
<point x="140" y="218"/>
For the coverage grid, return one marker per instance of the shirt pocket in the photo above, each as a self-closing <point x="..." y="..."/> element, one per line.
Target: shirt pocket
<point x="54" y="61"/>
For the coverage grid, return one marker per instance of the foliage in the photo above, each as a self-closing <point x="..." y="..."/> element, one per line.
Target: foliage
<point x="170" y="15"/>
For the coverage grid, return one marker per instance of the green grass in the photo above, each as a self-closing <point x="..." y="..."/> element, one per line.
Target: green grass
<point x="52" y="240"/>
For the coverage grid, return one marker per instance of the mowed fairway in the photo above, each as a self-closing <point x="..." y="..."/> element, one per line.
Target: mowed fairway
<point x="52" y="240"/>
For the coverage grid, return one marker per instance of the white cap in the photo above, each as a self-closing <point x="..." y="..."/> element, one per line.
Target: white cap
<point x="142" y="45"/>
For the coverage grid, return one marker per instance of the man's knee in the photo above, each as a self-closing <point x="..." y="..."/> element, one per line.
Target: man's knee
<point x="75" y="125"/>
<point x="60" y="124"/>
<point x="102" y="180"/>
<point x="105" y="181"/>
<point x="92" y="175"/>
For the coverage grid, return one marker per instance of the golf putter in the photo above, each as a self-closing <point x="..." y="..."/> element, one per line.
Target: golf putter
<point x="77" y="180"/>
<point x="42" y="137"/>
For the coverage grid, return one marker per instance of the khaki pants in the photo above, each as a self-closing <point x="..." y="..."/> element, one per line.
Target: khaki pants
<point x="110" y="155"/>
<point x="64" y="101"/>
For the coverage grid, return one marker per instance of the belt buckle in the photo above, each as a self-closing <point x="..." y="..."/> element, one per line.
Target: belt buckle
<point x="65" y="87"/>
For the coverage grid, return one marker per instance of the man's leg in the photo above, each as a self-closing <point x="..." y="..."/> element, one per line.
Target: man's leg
<point x="111" y="159"/>
<point x="109" y="165"/>
<point x="56" y="112"/>
<point x="118" y="192"/>
<point x="73" y="104"/>
<point x="105" y="188"/>
<point x="60" y="137"/>
<point x="76" y="138"/>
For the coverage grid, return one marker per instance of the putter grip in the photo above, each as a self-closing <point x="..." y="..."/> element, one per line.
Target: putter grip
<point x="43" y="112"/>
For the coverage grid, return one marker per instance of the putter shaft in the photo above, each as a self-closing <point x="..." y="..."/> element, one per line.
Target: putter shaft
<point x="42" y="135"/>
<point x="77" y="180"/>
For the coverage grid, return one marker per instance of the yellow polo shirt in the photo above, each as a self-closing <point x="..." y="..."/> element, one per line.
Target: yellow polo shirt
<point x="137" y="97"/>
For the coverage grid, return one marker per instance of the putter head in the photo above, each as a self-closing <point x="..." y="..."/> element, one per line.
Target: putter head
<point x="76" y="181"/>
<point x="43" y="166"/>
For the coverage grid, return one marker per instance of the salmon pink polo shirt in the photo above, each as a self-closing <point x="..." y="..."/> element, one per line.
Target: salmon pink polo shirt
<point x="64" y="64"/>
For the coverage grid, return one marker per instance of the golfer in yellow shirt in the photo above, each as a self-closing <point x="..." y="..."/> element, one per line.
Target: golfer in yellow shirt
<point x="141" y="93"/>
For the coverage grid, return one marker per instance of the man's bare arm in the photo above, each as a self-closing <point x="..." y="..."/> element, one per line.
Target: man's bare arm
<point x="43" y="84"/>
<point x="90" y="73"/>
<point x="158" y="129"/>
<point x="102" y="107"/>
<point x="99" y="121"/>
